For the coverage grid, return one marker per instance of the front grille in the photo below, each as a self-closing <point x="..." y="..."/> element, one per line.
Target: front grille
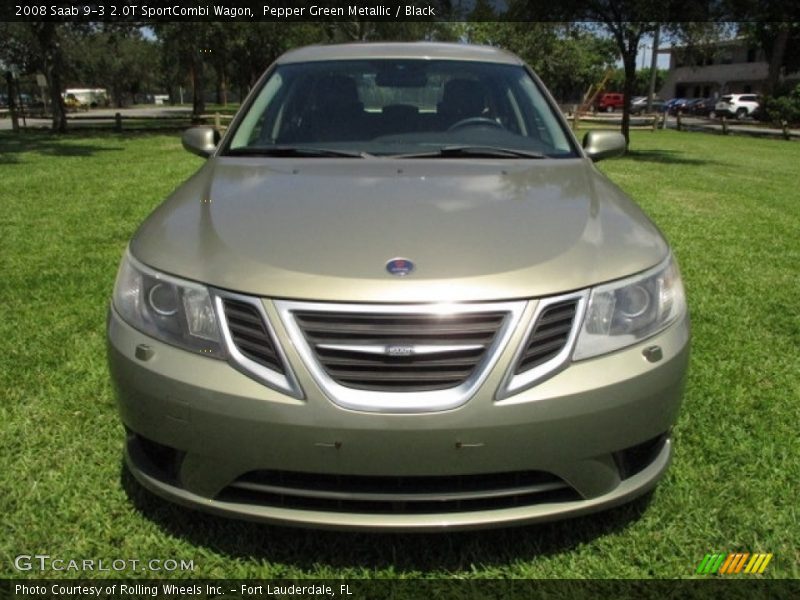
<point x="397" y="495"/>
<point x="548" y="336"/>
<point x="399" y="352"/>
<point x="250" y="335"/>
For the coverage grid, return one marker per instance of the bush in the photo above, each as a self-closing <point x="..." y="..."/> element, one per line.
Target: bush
<point x="784" y="108"/>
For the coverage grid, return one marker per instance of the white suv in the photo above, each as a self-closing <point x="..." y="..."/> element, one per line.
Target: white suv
<point x="738" y="105"/>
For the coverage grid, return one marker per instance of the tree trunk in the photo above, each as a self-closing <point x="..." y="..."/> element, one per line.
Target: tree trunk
<point x="776" y="60"/>
<point x="629" y="63"/>
<point x="198" y="86"/>
<point x="53" y="63"/>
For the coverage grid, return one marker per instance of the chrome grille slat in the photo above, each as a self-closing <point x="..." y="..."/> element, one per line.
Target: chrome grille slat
<point x="399" y="358"/>
<point x="402" y="329"/>
<point x="422" y="361"/>
<point x="363" y="363"/>
<point x="408" y="338"/>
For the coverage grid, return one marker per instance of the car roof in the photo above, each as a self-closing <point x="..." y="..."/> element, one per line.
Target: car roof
<point x="425" y="50"/>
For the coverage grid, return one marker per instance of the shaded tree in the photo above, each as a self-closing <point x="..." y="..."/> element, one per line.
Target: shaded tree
<point x="120" y="60"/>
<point x="568" y="58"/>
<point x="641" y="85"/>
<point x="403" y="31"/>
<point x="627" y="22"/>
<point x="187" y="48"/>
<point x="257" y="45"/>
<point x="627" y="35"/>
<point x="780" y="41"/>
<point x="38" y="47"/>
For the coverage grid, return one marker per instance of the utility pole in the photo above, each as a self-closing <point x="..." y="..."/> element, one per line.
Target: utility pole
<point x="653" y="69"/>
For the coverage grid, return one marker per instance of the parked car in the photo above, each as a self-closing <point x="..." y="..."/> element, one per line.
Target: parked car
<point x="639" y="105"/>
<point x="688" y="107"/>
<point x="669" y="103"/>
<point x="703" y="107"/>
<point x="677" y="105"/>
<point x="737" y="105"/>
<point x="371" y="309"/>
<point x="609" y="102"/>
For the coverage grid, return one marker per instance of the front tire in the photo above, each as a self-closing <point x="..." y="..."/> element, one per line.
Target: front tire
<point x="741" y="113"/>
<point x="609" y="109"/>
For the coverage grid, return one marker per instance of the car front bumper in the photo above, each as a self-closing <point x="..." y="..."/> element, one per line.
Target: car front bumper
<point x="203" y="434"/>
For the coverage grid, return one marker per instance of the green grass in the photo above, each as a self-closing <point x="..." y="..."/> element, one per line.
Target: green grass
<point x="730" y="207"/>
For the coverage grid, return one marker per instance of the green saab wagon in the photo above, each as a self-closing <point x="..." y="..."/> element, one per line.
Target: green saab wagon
<point x="398" y="295"/>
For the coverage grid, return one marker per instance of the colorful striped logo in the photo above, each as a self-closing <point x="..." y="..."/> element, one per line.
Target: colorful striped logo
<point x="735" y="562"/>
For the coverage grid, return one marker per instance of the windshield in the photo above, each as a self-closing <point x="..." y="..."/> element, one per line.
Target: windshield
<point x="409" y="108"/>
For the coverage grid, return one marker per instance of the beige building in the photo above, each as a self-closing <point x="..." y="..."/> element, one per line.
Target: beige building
<point x="733" y="67"/>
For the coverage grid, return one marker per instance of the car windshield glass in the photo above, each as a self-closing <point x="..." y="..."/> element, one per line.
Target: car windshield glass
<point x="410" y="108"/>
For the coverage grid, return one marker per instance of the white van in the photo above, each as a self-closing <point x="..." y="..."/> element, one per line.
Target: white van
<point x="89" y="97"/>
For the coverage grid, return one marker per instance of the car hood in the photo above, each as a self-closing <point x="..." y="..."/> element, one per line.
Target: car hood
<point x="323" y="229"/>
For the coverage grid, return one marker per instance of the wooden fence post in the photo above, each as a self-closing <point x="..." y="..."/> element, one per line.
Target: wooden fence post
<point x="575" y="120"/>
<point x="118" y="122"/>
<point x="655" y="122"/>
<point x="785" y="128"/>
<point x="724" y="125"/>
<point x="216" y="121"/>
<point x="678" y="120"/>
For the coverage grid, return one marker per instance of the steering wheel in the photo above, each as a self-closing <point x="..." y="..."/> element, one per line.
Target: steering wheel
<point x="474" y="122"/>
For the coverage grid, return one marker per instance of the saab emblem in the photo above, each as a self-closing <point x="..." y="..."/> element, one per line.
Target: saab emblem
<point x="400" y="266"/>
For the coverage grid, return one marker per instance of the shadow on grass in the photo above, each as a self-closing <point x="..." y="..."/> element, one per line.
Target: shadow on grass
<point x="71" y="144"/>
<point x="400" y="552"/>
<point x="667" y="157"/>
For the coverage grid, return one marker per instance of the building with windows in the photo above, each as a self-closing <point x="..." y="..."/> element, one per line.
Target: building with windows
<point x="730" y="67"/>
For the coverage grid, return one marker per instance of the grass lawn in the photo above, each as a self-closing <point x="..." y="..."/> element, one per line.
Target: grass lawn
<point x="729" y="205"/>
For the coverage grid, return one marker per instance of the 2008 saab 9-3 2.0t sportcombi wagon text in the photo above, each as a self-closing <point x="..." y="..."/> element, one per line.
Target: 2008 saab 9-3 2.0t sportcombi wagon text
<point x="398" y="295"/>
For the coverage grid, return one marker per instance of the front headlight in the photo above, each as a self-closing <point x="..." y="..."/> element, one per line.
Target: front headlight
<point x="627" y="311"/>
<point x="172" y="310"/>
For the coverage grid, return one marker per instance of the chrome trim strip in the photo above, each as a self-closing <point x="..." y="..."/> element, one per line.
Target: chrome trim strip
<point x="536" y="488"/>
<point x="401" y="402"/>
<point x="514" y="384"/>
<point x="287" y="383"/>
<point x="415" y="349"/>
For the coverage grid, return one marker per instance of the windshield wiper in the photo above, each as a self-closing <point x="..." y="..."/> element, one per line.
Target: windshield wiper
<point x="291" y="151"/>
<point x="473" y="152"/>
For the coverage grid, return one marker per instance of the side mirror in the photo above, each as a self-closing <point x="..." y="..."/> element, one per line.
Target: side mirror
<point x="200" y="140"/>
<point x="604" y="144"/>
